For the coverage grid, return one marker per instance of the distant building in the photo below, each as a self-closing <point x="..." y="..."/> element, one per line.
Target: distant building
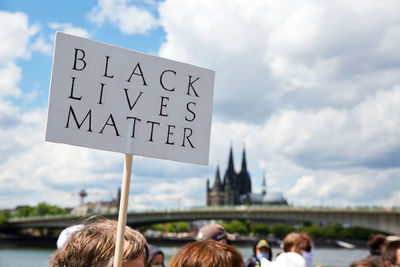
<point x="235" y="189"/>
<point x="97" y="207"/>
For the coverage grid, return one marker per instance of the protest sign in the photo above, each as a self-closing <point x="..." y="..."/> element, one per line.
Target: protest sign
<point x="115" y="99"/>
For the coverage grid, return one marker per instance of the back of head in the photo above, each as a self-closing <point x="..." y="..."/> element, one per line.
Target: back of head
<point x="389" y="252"/>
<point x="376" y="243"/>
<point x="303" y="242"/>
<point x="364" y="263"/>
<point x="94" y="245"/>
<point x="290" y="241"/>
<point x="215" y="232"/>
<point x="207" y="253"/>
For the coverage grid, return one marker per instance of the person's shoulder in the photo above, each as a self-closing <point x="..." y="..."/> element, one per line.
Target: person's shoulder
<point x="290" y="259"/>
<point x="251" y="261"/>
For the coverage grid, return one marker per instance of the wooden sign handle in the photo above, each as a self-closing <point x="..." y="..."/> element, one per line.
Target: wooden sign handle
<point x="123" y="208"/>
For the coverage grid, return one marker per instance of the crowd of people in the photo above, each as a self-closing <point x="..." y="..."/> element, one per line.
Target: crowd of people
<point x="93" y="244"/>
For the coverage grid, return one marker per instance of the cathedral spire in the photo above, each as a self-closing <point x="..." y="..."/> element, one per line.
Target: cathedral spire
<point x="231" y="167"/>
<point x="244" y="163"/>
<point x="264" y="184"/>
<point x="217" y="182"/>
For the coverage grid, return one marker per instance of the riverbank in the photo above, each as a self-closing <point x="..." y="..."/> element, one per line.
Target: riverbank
<point x="16" y="241"/>
<point x="325" y="257"/>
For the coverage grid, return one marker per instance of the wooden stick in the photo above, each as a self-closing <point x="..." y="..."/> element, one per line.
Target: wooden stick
<point x="123" y="208"/>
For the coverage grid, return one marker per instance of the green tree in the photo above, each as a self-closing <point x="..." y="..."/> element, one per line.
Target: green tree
<point x="4" y="216"/>
<point x="259" y="228"/>
<point x="313" y="230"/>
<point x="281" y="230"/>
<point x="178" y="227"/>
<point x="331" y="231"/>
<point x="24" y="211"/>
<point x="236" y="226"/>
<point x="158" y="227"/>
<point x="45" y="209"/>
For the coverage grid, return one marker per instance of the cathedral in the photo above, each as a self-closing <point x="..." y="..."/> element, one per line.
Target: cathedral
<point x="235" y="188"/>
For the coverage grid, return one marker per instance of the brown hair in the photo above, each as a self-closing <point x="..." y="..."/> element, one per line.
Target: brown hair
<point x="207" y="253"/>
<point x="389" y="253"/>
<point x="303" y="242"/>
<point x="94" y="245"/>
<point x="375" y="243"/>
<point x="290" y="241"/>
<point x="364" y="263"/>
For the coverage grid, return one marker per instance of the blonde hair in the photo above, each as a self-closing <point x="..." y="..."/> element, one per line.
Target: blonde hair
<point x="94" y="245"/>
<point x="207" y="253"/>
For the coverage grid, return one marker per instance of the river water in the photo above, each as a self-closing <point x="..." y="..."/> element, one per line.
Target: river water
<point x="325" y="257"/>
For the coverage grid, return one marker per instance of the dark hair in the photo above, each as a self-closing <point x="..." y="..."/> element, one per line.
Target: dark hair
<point x="375" y="242"/>
<point x="207" y="253"/>
<point x="389" y="253"/>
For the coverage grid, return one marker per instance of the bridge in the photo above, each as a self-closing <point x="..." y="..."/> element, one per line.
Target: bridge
<point x="382" y="220"/>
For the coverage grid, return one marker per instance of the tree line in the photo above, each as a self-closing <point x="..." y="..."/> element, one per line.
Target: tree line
<point x="241" y="227"/>
<point x="278" y="230"/>
<point x="41" y="209"/>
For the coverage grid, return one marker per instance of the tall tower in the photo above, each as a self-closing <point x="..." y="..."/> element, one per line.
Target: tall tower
<point x="264" y="184"/>
<point x="243" y="179"/>
<point x="82" y="195"/>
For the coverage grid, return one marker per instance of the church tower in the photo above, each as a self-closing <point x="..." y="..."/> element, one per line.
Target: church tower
<point x="264" y="185"/>
<point x="244" y="181"/>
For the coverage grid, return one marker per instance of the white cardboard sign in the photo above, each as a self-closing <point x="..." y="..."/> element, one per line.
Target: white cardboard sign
<point x="115" y="99"/>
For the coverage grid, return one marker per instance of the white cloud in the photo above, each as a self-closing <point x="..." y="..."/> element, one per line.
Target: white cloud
<point x="14" y="40"/>
<point x="128" y="18"/>
<point x="69" y="28"/>
<point x="278" y="55"/>
<point x="15" y="37"/>
<point x="40" y="45"/>
<point x="310" y="88"/>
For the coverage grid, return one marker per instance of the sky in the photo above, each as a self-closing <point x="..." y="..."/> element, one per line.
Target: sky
<point x="311" y="90"/>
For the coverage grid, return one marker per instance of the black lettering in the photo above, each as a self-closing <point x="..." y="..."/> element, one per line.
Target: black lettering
<point x="101" y="94"/>
<point x="72" y="90"/>
<point x="161" y="80"/>
<point x="169" y="134"/>
<point x="187" y="137"/>
<point x="134" y="124"/>
<point x="138" y="74"/>
<point x="191" y="111"/>
<point x="110" y="124"/>
<point x="190" y="85"/>
<point x="129" y="102"/>
<point x="81" y="59"/>
<point x="163" y="105"/>
<point x="152" y="127"/>
<point x="88" y="115"/>
<point x="105" y="71"/>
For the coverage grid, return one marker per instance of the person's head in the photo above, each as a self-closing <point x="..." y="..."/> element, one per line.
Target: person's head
<point x="262" y="249"/>
<point x="156" y="257"/>
<point x="215" y="232"/>
<point x="207" y="253"/>
<point x="376" y="243"/>
<point x="304" y="245"/>
<point x="299" y="243"/>
<point x="303" y="242"/>
<point x="94" y="245"/>
<point x="364" y="263"/>
<point x="289" y="242"/>
<point x="391" y="254"/>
